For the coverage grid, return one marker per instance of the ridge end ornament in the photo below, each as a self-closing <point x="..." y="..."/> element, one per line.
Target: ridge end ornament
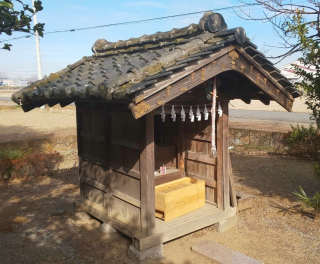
<point x="192" y="76"/>
<point x="233" y="64"/>
<point x="258" y="78"/>
<point x="233" y="55"/>
<point x="141" y="108"/>
<point x="203" y="74"/>
<point x="214" y="65"/>
<point x="168" y="90"/>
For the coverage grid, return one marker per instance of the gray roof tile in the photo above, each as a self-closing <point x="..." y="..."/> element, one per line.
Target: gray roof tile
<point x="123" y="67"/>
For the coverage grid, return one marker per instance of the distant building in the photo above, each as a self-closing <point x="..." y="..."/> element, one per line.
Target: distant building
<point x="289" y="72"/>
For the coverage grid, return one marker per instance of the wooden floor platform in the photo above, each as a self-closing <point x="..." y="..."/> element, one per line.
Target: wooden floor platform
<point x="182" y="225"/>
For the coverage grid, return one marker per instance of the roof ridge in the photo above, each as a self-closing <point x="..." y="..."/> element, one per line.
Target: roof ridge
<point x="210" y="22"/>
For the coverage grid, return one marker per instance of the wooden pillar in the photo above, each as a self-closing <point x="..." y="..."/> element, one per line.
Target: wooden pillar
<point x="225" y="147"/>
<point x="223" y="157"/>
<point x="147" y="179"/>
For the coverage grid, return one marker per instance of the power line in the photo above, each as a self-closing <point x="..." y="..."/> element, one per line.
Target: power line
<point x="15" y="71"/>
<point x="128" y="22"/>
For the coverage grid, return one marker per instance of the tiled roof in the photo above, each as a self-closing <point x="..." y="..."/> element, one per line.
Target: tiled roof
<point x="120" y="69"/>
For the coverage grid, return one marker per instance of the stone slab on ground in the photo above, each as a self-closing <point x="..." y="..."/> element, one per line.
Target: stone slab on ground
<point x="221" y="254"/>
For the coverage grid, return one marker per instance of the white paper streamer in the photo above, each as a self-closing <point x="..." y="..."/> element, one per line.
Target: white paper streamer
<point x="205" y="113"/>
<point x="173" y="114"/>
<point x="183" y="114"/>
<point x="198" y="114"/>
<point x="191" y="115"/>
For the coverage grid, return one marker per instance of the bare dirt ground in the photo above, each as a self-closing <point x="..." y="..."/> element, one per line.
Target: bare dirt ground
<point x="275" y="230"/>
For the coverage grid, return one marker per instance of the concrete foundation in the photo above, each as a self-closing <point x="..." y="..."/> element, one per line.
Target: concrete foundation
<point x="150" y="253"/>
<point x="227" y="224"/>
<point x="105" y="228"/>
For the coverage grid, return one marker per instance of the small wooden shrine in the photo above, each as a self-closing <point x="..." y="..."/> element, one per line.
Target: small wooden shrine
<point x="156" y="101"/>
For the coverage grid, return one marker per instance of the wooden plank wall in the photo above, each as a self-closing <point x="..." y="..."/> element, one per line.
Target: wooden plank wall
<point x="92" y="124"/>
<point x="110" y="144"/>
<point x="198" y="161"/>
<point x="93" y="157"/>
<point x="126" y="140"/>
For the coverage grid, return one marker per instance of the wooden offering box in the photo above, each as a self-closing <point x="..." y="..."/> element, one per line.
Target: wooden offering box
<point x="179" y="197"/>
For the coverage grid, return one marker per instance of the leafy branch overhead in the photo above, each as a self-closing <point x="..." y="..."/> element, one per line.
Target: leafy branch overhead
<point x="18" y="18"/>
<point x="282" y="15"/>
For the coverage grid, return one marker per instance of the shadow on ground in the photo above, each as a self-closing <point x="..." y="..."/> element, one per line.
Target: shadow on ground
<point x="274" y="176"/>
<point x="38" y="225"/>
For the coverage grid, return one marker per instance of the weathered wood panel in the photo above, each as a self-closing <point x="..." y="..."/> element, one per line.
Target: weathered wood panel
<point x="125" y="184"/>
<point x="125" y="199"/>
<point x="92" y="135"/>
<point x="165" y="155"/>
<point x="125" y="212"/>
<point x="125" y="157"/>
<point x="198" y="161"/>
<point x="125" y="143"/>
<point x="94" y="195"/>
<point x="125" y="127"/>
<point x="93" y="172"/>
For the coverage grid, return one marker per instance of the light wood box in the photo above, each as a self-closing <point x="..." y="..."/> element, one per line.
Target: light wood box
<point x="179" y="197"/>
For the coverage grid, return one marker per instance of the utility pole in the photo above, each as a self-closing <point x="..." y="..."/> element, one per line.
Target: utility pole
<point x="35" y="21"/>
<point x="37" y="44"/>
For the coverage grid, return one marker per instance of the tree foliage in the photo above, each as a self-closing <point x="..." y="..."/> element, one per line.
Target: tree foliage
<point x="310" y="56"/>
<point x="282" y="16"/>
<point x="298" y="27"/>
<point x="18" y="18"/>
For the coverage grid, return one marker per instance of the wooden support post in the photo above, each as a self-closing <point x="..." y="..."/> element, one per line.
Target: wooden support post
<point x="219" y="134"/>
<point x="233" y="194"/>
<point x="225" y="153"/>
<point x="223" y="158"/>
<point x="147" y="179"/>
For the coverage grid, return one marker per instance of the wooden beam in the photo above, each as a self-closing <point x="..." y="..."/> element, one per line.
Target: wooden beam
<point x="95" y="184"/>
<point x="199" y="136"/>
<point x="92" y="136"/>
<point x="147" y="179"/>
<point x="125" y="143"/>
<point x="233" y="193"/>
<point x="263" y="99"/>
<point x="219" y="136"/>
<point x="179" y="75"/>
<point x="126" y="171"/>
<point x="265" y="81"/>
<point x="183" y="225"/>
<point x="197" y="156"/>
<point x="208" y="182"/>
<point x="234" y="60"/>
<point x="93" y="160"/>
<point x="126" y="198"/>
<point x="244" y="98"/>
